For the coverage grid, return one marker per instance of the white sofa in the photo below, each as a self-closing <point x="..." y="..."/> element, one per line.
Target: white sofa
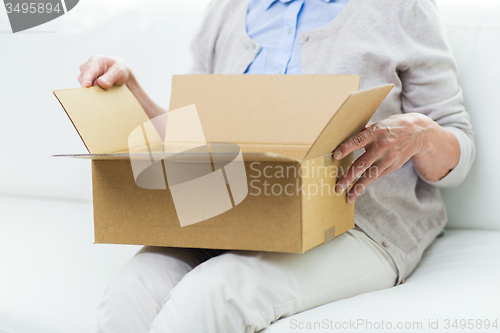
<point x="52" y="276"/>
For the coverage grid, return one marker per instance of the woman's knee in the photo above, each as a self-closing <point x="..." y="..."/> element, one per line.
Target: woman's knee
<point x="217" y="292"/>
<point x="135" y="295"/>
<point x="148" y="276"/>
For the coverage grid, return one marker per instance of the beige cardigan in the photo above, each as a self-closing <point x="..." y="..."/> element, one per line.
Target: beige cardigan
<point x="384" y="41"/>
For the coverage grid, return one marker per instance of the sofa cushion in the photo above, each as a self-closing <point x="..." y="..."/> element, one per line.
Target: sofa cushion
<point x="456" y="279"/>
<point x="473" y="29"/>
<point x="151" y="35"/>
<point x="53" y="276"/>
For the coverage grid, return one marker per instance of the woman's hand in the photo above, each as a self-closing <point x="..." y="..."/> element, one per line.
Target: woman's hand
<point x="390" y="143"/>
<point x="104" y="71"/>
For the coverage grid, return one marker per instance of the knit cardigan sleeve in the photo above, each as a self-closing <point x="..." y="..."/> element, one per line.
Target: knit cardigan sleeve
<point x="430" y="85"/>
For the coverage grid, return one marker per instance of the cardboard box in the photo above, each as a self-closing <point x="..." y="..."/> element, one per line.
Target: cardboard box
<point x="286" y="127"/>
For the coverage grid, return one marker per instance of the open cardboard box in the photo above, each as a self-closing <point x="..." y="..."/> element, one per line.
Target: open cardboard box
<point x="286" y="127"/>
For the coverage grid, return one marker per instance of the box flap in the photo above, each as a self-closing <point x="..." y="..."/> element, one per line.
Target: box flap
<point x="103" y="118"/>
<point x="262" y="109"/>
<point x="247" y="157"/>
<point x="348" y="120"/>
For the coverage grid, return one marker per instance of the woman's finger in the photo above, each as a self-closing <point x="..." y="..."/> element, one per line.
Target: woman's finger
<point x="89" y="76"/>
<point x="91" y="70"/>
<point x="369" y="176"/>
<point x="359" y="166"/>
<point x="369" y="125"/>
<point x="114" y="75"/>
<point x="356" y="142"/>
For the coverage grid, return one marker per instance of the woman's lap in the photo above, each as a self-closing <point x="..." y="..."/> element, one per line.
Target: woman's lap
<point x="135" y="295"/>
<point x="239" y="291"/>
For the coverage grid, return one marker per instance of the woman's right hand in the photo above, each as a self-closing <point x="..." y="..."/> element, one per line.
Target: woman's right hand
<point x="104" y="71"/>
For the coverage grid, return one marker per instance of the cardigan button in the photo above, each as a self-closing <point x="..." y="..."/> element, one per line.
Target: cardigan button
<point x="385" y="244"/>
<point x="306" y="38"/>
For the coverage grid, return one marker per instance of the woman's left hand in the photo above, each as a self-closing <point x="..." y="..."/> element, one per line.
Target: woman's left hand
<point x="389" y="144"/>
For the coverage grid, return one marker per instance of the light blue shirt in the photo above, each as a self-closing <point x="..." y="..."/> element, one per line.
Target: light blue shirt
<point x="274" y="25"/>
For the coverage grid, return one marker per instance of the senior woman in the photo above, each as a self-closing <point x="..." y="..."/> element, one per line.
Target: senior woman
<point x="419" y="139"/>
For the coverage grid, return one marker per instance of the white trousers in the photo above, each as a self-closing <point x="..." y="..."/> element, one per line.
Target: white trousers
<point x="180" y="290"/>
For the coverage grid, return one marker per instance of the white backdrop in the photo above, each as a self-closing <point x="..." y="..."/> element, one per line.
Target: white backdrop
<point x="38" y="61"/>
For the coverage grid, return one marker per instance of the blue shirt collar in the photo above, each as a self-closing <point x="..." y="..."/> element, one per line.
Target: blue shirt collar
<point x="267" y="3"/>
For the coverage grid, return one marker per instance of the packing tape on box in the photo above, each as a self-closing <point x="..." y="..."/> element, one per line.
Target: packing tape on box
<point x="329" y="234"/>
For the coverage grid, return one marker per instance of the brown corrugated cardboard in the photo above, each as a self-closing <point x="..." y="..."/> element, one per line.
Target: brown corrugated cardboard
<point x="283" y="124"/>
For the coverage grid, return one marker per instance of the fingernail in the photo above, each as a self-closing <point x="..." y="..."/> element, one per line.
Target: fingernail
<point x="105" y="81"/>
<point x="350" y="198"/>
<point x="337" y="154"/>
<point x="339" y="188"/>
<point x="87" y="84"/>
